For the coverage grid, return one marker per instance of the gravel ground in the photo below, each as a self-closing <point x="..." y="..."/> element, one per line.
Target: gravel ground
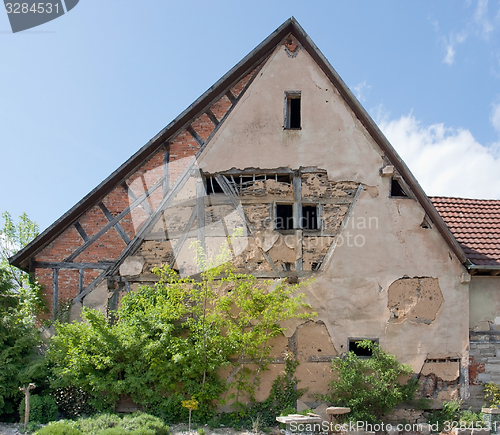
<point x="10" y="429"/>
<point x="177" y="429"/>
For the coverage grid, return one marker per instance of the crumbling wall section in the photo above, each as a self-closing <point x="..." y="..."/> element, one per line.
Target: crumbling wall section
<point x="484" y="364"/>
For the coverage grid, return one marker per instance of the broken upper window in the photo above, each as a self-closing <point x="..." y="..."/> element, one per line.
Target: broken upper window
<point x="358" y="350"/>
<point x="309" y="217"/>
<point x="397" y="190"/>
<point x="212" y="186"/>
<point x="240" y="182"/>
<point x="284" y="217"/>
<point x="285" y="221"/>
<point x="292" y="110"/>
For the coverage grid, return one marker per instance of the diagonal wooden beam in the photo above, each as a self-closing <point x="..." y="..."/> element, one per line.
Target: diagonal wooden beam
<point x="212" y="117"/>
<point x="116" y="219"/>
<point x="81" y="231"/>
<point x="133" y="197"/>
<point x="228" y="190"/>
<point x="332" y="247"/>
<point x="195" y="135"/>
<point x="231" y="97"/>
<point x="117" y="226"/>
<point x="167" y="200"/>
<point x="180" y="243"/>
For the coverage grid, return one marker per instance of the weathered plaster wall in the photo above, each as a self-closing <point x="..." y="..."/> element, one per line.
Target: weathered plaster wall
<point x="383" y="242"/>
<point x="484" y="303"/>
<point x="388" y="278"/>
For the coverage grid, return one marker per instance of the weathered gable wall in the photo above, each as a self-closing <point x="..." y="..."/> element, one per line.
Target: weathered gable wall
<point x="384" y="244"/>
<point x="381" y="272"/>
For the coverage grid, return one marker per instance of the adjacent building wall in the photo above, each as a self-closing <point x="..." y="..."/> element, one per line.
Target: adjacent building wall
<point x="484" y="324"/>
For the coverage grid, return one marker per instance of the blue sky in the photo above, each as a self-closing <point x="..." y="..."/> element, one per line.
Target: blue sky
<point x="80" y="94"/>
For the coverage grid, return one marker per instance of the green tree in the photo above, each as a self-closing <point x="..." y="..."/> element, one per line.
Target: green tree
<point x="20" y="300"/>
<point x="370" y="386"/>
<point x="169" y="341"/>
<point x="14" y="237"/>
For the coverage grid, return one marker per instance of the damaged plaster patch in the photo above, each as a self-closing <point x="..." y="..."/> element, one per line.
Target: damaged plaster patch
<point x="447" y="371"/>
<point x="414" y="299"/>
<point x="132" y="266"/>
<point x="266" y="239"/>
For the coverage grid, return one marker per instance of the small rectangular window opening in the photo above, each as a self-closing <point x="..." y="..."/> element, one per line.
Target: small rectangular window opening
<point x="284" y="217"/>
<point x="358" y="350"/>
<point x="397" y="190"/>
<point x="309" y="217"/>
<point x="292" y="110"/>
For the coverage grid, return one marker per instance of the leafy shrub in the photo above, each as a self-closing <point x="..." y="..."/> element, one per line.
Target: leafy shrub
<point x="471" y="418"/>
<point x="492" y="395"/>
<point x="42" y="409"/>
<point x="449" y="413"/>
<point x="73" y="402"/>
<point x="169" y="341"/>
<point x="145" y="421"/>
<point x="62" y="427"/>
<point x="370" y="386"/>
<point x="98" y="423"/>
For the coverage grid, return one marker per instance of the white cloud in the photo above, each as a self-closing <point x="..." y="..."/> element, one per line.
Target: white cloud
<point x="481" y="19"/>
<point x="360" y="89"/>
<point x="450" y="44"/>
<point x="446" y="161"/>
<point x="495" y="117"/>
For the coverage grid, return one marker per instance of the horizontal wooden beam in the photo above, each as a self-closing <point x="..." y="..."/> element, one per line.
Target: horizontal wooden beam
<point x="101" y="265"/>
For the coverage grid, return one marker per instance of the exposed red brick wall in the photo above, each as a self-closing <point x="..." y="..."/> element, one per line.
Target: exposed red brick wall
<point x="155" y="198"/>
<point x="110" y="245"/>
<point x="93" y="220"/>
<point x="203" y="126"/>
<point x="139" y="216"/>
<point x="106" y="248"/>
<point x="67" y="284"/>
<point x="61" y="247"/>
<point x="221" y="107"/>
<point x="182" y="149"/>
<point x="238" y="87"/>
<point x="128" y="226"/>
<point x="116" y="201"/>
<point x="147" y="175"/>
<point x="474" y="369"/>
<point x="90" y="275"/>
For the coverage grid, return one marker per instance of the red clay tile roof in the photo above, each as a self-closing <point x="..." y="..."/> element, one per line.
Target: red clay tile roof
<point x="475" y="223"/>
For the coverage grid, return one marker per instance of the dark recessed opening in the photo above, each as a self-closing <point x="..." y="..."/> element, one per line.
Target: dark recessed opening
<point x="295" y="113"/>
<point x="283" y="179"/>
<point x="359" y="351"/>
<point x="309" y="217"/>
<point x="284" y="216"/>
<point x="292" y="113"/>
<point x="397" y="189"/>
<point x="213" y="186"/>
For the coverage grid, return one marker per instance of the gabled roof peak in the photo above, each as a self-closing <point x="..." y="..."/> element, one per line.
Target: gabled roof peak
<point x="249" y="63"/>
